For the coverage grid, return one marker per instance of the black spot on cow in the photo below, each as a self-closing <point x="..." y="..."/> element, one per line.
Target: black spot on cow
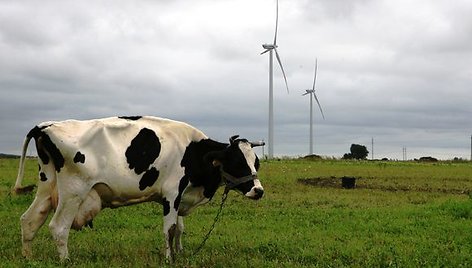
<point x="42" y="155"/>
<point x="166" y="206"/>
<point x="42" y="176"/>
<point x="182" y="185"/>
<point x="133" y="118"/>
<point x="143" y="150"/>
<point x="46" y="148"/>
<point x="79" y="158"/>
<point x="198" y="169"/>
<point x="36" y="133"/>
<point x="149" y="178"/>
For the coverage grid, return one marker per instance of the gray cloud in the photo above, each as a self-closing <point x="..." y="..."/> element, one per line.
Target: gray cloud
<point x="396" y="71"/>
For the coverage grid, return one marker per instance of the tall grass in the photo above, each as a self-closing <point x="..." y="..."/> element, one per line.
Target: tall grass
<point x="402" y="214"/>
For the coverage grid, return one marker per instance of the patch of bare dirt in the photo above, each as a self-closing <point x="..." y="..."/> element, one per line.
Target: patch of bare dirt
<point x="360" y="183"/>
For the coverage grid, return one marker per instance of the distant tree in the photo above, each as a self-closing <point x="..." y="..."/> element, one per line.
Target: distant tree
<point x="357" y="152"/>
<point x="428" y="159"/>
<point x="2" y="155"/>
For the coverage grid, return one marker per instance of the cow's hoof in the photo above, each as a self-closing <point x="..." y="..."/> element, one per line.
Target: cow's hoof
<point x="27" y="253"/>
<point x="65" y="260"/>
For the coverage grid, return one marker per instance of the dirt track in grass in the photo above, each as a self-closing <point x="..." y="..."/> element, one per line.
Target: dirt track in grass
<point x="369" y="183"/>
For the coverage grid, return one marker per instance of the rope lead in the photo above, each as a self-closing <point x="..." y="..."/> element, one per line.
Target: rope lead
<point x="223" y="199"/>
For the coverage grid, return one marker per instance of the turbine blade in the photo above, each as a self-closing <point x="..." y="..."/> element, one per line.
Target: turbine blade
<point x="316" y="69"/>
<point x="265" y="51"/>
<point x="306" y="93"/>
<point x="281" y="68"/>
<point x="276" y="22"/>
<point x="319" y="105"/>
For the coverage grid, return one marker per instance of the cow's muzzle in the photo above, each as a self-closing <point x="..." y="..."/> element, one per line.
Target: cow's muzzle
<point x="259" y="192"/>
<point x="232" y="182"/>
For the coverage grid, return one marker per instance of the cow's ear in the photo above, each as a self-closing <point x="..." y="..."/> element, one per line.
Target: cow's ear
<point x="215" y="157"/>
<point x="233" y="139"/>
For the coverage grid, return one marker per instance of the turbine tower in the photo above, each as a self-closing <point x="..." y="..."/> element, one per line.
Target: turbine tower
<point x="313" y="95"/>
<point x="271" y="48"/>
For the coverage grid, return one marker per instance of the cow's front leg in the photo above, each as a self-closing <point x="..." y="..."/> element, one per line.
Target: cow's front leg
<point x="178" y="234"/>
<point x="169" y="228"/>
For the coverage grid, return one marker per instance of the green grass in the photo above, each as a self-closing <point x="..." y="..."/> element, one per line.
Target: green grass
<point x="401" y="215"/>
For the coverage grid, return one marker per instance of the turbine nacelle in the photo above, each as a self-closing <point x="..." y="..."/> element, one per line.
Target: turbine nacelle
<point x="269" y="46"/>
<point x="308" y="91"/>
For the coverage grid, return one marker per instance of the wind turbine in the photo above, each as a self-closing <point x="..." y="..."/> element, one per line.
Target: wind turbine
<point x="313" y="94"/>
<point x="271" y="48"/>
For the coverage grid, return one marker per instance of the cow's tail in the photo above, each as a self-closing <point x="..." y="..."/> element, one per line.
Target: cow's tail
<point x="18" y="189"/>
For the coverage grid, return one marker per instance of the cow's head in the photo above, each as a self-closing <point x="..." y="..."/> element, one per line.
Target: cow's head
<point x="238" y="166"/>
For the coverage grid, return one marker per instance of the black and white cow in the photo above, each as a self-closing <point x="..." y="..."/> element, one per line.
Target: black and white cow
<point x="85" y="166"/>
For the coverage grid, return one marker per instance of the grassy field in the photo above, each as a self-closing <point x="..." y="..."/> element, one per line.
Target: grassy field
<point x="401" y="214"/>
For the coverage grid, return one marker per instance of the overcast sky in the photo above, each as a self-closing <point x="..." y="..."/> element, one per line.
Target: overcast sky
<point x="397" y="71"/>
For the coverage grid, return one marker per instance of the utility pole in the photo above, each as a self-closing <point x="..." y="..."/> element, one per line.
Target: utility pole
<point x="470" y="147"/>
<point x="372" y="148"/>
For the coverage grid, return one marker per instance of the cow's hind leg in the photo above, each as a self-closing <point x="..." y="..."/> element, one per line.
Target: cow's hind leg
<point x="37" y="213"/>
<point x="32" y="220"/>
<point x="72" y="192"/>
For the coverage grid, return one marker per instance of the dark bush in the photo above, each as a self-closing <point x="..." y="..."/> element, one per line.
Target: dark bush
<point x="357" y="152"/>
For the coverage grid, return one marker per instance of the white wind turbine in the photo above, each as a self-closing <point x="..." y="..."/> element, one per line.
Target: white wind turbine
<point x="313" y="94"/>
<point x="271" y="48"/>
